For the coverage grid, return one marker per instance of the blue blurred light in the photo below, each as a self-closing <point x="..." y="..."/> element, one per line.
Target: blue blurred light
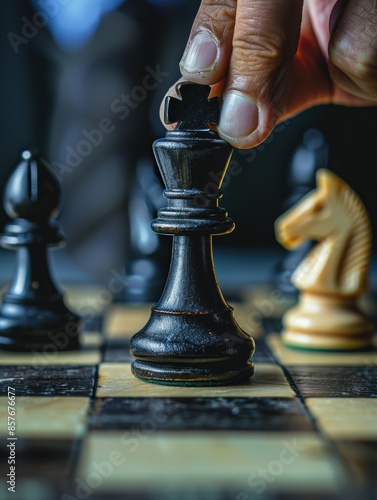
<point x="76" y="20"/>
<point x="162" y="2"/>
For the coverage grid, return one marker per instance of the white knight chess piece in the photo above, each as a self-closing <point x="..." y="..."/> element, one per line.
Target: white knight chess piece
<point x="335" y="273"/>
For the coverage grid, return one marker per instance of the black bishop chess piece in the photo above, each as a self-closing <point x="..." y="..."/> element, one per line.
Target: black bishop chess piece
<point x="192" y="337"/>
<point x="33" y="314"/>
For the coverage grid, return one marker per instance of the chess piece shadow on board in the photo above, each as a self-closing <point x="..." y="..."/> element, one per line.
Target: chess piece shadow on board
<point x="311" y="155"/>
<point x="334" y="274"/>
<point x="192" y="337"/>
<point x="33" y="314"/>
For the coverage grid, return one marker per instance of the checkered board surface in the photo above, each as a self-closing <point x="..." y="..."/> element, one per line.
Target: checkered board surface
<point x="304" y="427"/>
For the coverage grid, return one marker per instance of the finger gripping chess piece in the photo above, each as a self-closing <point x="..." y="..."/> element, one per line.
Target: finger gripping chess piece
<point x="335" y="273"/>
<point x="192" y="337"/>
<point x="33" y="314"/>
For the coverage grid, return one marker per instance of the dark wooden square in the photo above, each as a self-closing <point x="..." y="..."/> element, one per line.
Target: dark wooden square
<point x="48" y="380"/>
<point x="217" y="413"/>
<point x="335" y="381"/>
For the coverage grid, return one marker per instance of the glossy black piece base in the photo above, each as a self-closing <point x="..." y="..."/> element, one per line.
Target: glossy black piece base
<point x="216" y="374"/>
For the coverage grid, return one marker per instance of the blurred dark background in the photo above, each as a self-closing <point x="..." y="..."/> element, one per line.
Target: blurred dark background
<point x="69" y="67"/>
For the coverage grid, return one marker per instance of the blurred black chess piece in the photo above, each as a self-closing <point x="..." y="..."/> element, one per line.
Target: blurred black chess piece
<point x="147" y="255"/>
<point x="33" y="315"/>
<point x="311" y="155"/>
<point x="192" y="337"/>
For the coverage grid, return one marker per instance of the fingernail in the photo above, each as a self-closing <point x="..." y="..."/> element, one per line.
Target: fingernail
<point x="201" y="54"/>
<point x="239" y="115"/>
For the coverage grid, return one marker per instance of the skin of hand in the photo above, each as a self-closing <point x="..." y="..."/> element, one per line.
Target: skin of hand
<point x="270" y="59"/>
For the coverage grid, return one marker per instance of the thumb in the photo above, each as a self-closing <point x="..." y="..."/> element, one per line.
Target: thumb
<point x="256" y="58"/>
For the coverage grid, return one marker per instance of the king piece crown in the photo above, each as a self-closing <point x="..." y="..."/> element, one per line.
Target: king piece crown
<point x="192" y="109"/>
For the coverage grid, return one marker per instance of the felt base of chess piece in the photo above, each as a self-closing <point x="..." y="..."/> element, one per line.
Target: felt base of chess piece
<point x="33" y="315"/>
<point x="327" y="323"/>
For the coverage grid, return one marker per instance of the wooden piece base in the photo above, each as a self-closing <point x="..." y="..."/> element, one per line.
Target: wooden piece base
<point x="321" y="322"/>
<point x="192" y="374"/>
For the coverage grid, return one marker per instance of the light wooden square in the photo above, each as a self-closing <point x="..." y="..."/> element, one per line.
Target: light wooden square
<point x="45" y="417"/>
<point x="123" y="321"/>
<point x="51" y="357"/>
<point x="150" y="459"/>
<point x="116" y="380"/>
<point x="345" y="418"/>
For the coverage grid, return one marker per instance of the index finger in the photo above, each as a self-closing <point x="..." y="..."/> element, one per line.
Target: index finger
<point x="209" y="47"/>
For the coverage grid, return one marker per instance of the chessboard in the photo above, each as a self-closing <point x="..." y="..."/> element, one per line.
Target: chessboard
<point x="303" y="427"/>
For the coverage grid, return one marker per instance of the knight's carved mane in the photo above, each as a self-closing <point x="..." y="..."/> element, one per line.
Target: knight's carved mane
<point x="356" y="258"/>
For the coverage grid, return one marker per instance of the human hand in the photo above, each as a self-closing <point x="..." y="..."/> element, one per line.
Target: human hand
<point x="270" y="59"/>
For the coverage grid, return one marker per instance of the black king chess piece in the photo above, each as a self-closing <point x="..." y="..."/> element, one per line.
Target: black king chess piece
<point x="33" y="314"/>
<point x="192" y="337"/>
